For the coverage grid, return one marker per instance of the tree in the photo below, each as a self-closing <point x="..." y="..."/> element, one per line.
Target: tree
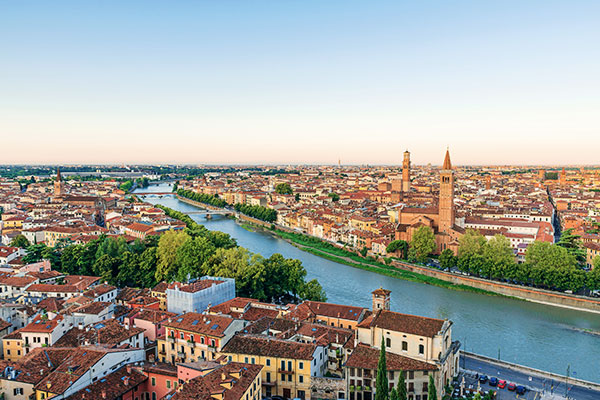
<point x="402" y="394"/>
<point x="422" y="243"/>
<point x="334" y="196"/>
<point x="364" y="251"/>
<point x="431" y="389"/>
<point x="191" y="255"/>
<point x="471" y="243"/>
<point x="20" y="241"/>
<point x="312" y="290"/>
<point x="167" y="254"/>
<point x="447" y="259"/>
<point x="283" y="188"/>
<point x="572" y="243"/>
<point x="398" y="246"/>
<point x="394" y="394"/>
<point x="297" y="197"/>
<point x="382" y="388"/>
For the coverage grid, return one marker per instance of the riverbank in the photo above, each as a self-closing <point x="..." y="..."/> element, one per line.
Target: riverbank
<point x="416" y="273"/>
<point x="348" y="258"/>
<point x="430" y="276"/>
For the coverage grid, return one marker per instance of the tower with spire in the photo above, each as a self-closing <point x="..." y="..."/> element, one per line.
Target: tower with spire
<point x="406" y="172"/>
<point x="59" y="186"/>
<point x="446" y="200"/>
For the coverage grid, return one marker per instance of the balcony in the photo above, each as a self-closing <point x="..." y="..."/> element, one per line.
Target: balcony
<point x="212" y="348"/>
<point x="181" y="354"/>
<point x="283" y="371"/>
<point x="170" y="339"/>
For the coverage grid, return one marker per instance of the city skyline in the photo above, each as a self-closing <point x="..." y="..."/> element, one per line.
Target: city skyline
<point x="278" y="83"/>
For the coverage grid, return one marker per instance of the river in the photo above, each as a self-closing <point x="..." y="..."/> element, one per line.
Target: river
<point x="539" y="336"/>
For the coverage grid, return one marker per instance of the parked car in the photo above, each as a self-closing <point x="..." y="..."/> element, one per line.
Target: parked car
<point x="501" y="384"/>
<point x="483" y="379"/>
<point x="278" y="398"/>
<point x="493" y="381"/>
<point x="512" y="387"/>
<point x="521" y="389"/>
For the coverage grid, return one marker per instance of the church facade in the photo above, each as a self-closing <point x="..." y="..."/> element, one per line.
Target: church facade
<point x="440" y="219"/>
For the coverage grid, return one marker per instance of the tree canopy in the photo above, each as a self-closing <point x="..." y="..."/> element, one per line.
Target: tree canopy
<point x="283" y="188"/>
<point x="422" y="243"/>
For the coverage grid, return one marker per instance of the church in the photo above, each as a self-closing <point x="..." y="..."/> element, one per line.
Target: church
<point x="440" y="219"/>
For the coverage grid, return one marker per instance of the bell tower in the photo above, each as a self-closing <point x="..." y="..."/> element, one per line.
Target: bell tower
<point x="406" y="172"/>
<point x="59" y="188"/>
<point x="446" y="200"/>
<point x="381" y="299"/>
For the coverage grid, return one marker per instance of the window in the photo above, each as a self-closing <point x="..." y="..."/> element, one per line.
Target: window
<point x="289" y="377"/>
<point x="168" y="384"/>
<point x="181" y="335"/>
<point x="202" y="340"/>
<point x="191" y="338"/>
<point x="268" y="377"/>
<point x="425" y="386"/>
<point x="282" y="377"/>
<point x="301" y="365"/>
<point x="421" y="349"/>
<point x="289" y="365"/>
<point x="404" y="346"/>
<point x="411" y="374"/>
<point x="300" y="379"/>
<point x="351" y="371"/>
<point x="340" y="395"/>
<point x="268" y="362"/>
<point x="388" y="342"/>
<point x="153" y="381"/>
<point x="282" y="365"/>
<point x="391" y="375"/>
<point x="246" y="360"/>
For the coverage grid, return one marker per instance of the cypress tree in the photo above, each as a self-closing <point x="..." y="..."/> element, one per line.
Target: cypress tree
<point x="402" y="395"/>
<point x="432" y="390"/>
<point x="394" y="394"/>
<point x="382" y="390"/>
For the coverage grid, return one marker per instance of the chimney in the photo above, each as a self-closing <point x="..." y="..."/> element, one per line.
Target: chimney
<point x="128" y="368"/>
<point x="80" y="326"/>
<point x="104" y="394"/>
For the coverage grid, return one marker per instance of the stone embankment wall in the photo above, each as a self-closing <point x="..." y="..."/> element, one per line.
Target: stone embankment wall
<point x="507" y="289"/>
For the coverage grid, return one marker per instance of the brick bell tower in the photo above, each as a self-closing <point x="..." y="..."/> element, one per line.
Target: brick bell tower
<point x="446" y="200"/>
<point x="406" y="172"/>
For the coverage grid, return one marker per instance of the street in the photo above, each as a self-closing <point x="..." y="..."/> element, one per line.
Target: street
<point x="536" y="385"/>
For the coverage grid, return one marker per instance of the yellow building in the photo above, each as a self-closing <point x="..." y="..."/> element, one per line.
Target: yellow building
<point x="287" y="365"/>
<point x="12" y="345"/>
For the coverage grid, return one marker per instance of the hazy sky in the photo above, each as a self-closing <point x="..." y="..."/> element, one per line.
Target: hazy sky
<point x="285" y="81"/>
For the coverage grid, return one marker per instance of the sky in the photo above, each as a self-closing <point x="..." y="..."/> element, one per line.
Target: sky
<point x="296" y="82"/>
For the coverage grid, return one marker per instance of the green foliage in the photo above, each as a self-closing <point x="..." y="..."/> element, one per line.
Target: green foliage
<point x="258" y="212"/>
<point x="402" y="393"/>
<point x="334" y="196"/>
<point x="284" y="188"/>
<point x="572" y="243"/>
<point x="432" y="391"/>
<point x="400" y="246"/>
<point x="20" y="241"/>
<point x="364" y="251"/>
<point x="394" y="394"/>
<point x="126" y="186"/>
<point x="382" y="388"/>
<point x="202" y="198"/>
<point x="447" y="259"/>
<point x="422" y="243"/>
